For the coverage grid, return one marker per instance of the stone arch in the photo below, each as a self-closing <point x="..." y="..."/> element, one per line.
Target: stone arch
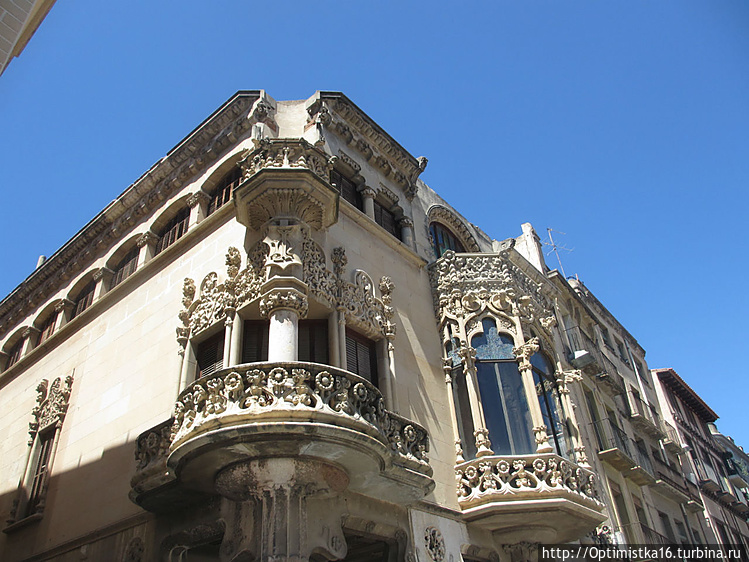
<point x="44" y="313"/>
<point x="123" y="249"/>
<point x="167" y="214"/>
<point x="220" y="172"/>
<point x="13" y="338"/>
<point x="450" y="219"/>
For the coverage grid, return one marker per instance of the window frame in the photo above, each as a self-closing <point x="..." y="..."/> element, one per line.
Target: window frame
<point x="438" y="232"/>
<point x="173" y="230"/>
<point x="125" y="267"/>
<point x="371" y="346"/>
<point x="84" y="299"/>
<point x="220" y="195"/>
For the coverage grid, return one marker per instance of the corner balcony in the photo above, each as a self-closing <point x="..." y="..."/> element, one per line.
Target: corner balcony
<point x="283" y="410"/>
<point x="544" y="496"/>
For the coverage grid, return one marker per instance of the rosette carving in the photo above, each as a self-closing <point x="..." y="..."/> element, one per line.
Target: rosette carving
<point x="255" y="389"/>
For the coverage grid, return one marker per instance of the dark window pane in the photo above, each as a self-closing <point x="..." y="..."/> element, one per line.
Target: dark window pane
<point x="386" y="220"/>
<point x="465" y="421"/>
<point x="361" y="356"/>
<point x="255" y="341"/>
<point x="210" y="355"/>
<point x="41" y="468"/>
<point x="443" y="239"/>
<point x="347" y="189"/>
<point x="15" y="353"/>
<point x="313" y="341"/>
<point x="505" y="407"/>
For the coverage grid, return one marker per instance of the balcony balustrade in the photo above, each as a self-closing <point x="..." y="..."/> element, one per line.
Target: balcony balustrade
<point x="671" y="441"/>
<point x="644" y="418"/>
<point x="642" y="473"/>
<point x="614" y="446"/>
<point x="283" y="410"/>
<point x="543" y="495"/>
<point x="588" y="357"/>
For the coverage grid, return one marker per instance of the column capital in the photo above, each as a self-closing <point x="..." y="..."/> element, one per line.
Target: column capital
<point x="367" y="192"/>
<point x="103" y="273"/>
<point x="30" y="331"/>
<point x="406" y="222"/>
<point x="524" y="352"/>
<point x="147" y="238"/>
<point x="64" y="304"/>
<point x="468" y="355"/>
<point x="287" y="293"/>
<point x="197" y="198"/>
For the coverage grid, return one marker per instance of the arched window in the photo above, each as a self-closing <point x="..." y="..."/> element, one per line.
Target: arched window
<point x="125" y="267"/>
<point x="548" y="399"/>
<point x="443" y="239"/>
<point x="503" y="397"/>
<point x="84" y="299"/>
<point x="347" y="189"/>
<point x="221" y="194"/>
<point x="173" y="230"/>
<point x="14" y="353"/>
<point x="47" y="328"/>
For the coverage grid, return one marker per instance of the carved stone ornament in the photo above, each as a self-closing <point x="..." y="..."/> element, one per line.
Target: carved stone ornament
<point x="289" y="299"/>
<point x="480" y="479"/>
<point x="259" y="389"/>
<point x="51" y="405"/>
<point x="434" y="544"/>
<point x="197" y="198"/>
<point x="134" y="550"/>
<point x="441" y="214"/>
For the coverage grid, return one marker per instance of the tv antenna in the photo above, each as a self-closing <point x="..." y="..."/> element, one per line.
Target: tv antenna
<point x="556" y="247"/>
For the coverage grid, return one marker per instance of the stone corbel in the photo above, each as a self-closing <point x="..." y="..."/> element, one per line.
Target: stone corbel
<point x="103" y="278"/>
<point x="29" y="335"/>
<point x="63" y="309"/>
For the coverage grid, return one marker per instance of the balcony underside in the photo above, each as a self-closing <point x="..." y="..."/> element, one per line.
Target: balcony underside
<point x="543" y="495"/>
<point x="282" y="410"/>
<point x="617" y="458"/>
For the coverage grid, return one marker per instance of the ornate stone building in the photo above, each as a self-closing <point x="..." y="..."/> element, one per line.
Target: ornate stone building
<point x="311" y="356"/>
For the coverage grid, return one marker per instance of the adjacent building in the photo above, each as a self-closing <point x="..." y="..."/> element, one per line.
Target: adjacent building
<point x="19" y="20"/>
<point x="280" y="344"/>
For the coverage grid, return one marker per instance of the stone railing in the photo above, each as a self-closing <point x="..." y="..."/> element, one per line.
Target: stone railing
<point x="296" y="392"/>
<point x="510" y="478"/>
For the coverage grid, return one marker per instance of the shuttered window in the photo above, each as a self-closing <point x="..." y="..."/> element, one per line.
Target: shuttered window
<point x="210" y="355"/>
<point x="85" y="298"/>
<point x="255" y="341"/>
<point x="47" y="328"/>
<point x="126" y="267"/>
<point x="347" y="189"/>
<point x="386" y="220"/>
<point x="221" y="195"/>
<point x="361" y="356"/>
<point x="313" y="341"/>
<point x="15" y="353"/>
<point x="173" y="230"/>
<point x="41" y="468"/>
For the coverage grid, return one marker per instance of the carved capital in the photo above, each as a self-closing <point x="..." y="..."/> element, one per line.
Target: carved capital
<point x="288" y="299"/>
<point x="147" y="238"/>
<point x="483" y="445"/>
<point x="64" y="304"/>
<point x="468" y="355"/>
<point x="368" y="192"/>
<point x="197" y="198"/>
<point x="30" y="331"/>
<point x="406" y="222"/>
<point x="524" y="352"/>
<point x="103" y="273"/>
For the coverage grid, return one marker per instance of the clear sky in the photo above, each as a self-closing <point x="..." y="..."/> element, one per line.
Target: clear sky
<point x="622" y="123"/>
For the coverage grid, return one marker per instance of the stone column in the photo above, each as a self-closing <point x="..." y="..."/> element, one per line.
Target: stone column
<point x="63" y="309"/>
<point x="228" y="339"/>
<point x="483" y="445"/>
<point x="237" y="333"/>
<point x="564" y="379"/>
<point x="30" y="336"/>
<point x="342" y="338"/>
<point x="147" y="245"/>
<point x="407" y="232"/>
<point x="447" y="367"/>
<point x="198" y="203"/>
<point x="334" y="344"/>
<point x="523" y="354"/>
<point x="284" y="301"/>
<point x="368" y="195"/>
<point x="282" y="509"/>
<point x="103" y="278"/>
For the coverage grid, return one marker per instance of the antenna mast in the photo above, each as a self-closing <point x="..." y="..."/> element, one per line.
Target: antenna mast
<point x="555" y="248"/>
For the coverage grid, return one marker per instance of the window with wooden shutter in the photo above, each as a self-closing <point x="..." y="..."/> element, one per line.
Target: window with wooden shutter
<point x="386" y="220"/>
<point x="210" y="355"/>
<point x="15" y="353"/>
<point x="313" y="341"/>
<point x="126" y="267"/>
<point x="255" y="341"/>
<point x="85" y="298"/>
<point x="361" y="356"/>
<point x="347" y="189"/>
<point x="173" y="230"/>
<point x="41" y="468"/>
<point x="47" y="328"/>
<point x="221" y="195"/>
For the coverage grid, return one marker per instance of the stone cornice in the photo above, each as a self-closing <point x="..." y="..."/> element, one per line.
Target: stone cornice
<point x="194" y="153"/>
<point x="360" y="132"/>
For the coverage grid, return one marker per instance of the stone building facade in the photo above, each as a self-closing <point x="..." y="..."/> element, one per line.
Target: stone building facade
<point x="311" y="356"/>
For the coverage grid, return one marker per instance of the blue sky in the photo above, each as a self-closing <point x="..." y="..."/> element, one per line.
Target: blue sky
<point x="622" y="123"/>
